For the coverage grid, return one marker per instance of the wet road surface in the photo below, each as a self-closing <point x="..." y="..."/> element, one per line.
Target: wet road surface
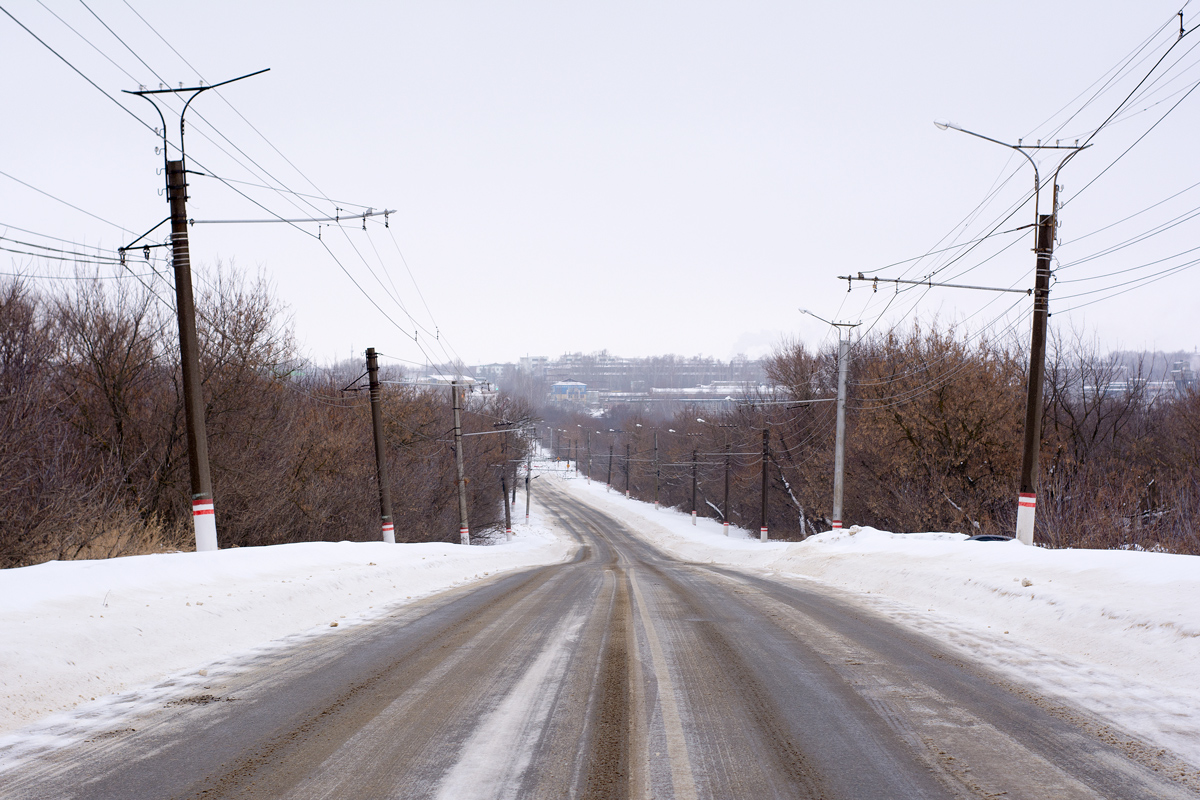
<point x="623" y="673"/>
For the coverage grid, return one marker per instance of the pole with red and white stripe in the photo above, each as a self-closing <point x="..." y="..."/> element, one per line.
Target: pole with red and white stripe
<point x="1027" y="499"/>
<point x="766" y="457"/>
<point x="204" y="520"/>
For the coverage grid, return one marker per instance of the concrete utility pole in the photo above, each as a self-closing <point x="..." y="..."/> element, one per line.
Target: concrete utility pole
<point x="1027" y="501"/>
<point x="762" y="528"/>
<point x="528" y="479"/>
<point x="464" y="533"/>
<point x="694" y="459"/>
<point x="839" y="449"/>
<point x="381" y="475"/>
<point x="725" y="505"/>
<point x="589" y="455"/>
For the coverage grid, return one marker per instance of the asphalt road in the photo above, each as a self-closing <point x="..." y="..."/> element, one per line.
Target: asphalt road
<point x="621" y="674"/>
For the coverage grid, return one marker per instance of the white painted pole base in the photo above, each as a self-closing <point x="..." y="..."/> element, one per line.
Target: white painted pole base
<point x="508" y="534"/>
<point x="389" y="533"/>
<point x="693" y="517"/>
<point x="464" y="536"/>
<point x="205" y="521"/>
<point x="1026" y="511"/>
<point x="762" y="534"/>
<point x="627" y="493"/>
<point x="726" y="528"/>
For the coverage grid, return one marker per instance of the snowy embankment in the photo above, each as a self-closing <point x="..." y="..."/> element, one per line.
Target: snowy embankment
<point x="73" y="631"/>
<point x="1116" y="632"/>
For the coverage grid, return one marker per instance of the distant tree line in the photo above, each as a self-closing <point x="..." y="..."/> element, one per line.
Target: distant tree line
<point x="934" y="435"/>
<point x="93" y="459"/>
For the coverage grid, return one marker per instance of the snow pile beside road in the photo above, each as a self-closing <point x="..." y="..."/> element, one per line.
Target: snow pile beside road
<point x="76" y="630"/>
<point x="1117" y="632"/>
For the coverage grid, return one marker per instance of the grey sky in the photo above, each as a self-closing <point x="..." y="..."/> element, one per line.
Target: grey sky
<point x="645" y="177"/>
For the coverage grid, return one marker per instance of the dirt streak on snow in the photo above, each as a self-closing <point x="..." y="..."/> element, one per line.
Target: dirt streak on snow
<point x="75" y="631"/>
<point x="1116" y="632"/>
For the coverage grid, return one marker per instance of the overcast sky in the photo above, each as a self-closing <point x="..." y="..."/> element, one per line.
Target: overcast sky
<point x="662" y="177"/>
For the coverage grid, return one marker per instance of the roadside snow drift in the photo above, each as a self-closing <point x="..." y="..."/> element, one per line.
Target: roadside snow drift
<point x="1116" y="632"/>
<point x="73" y="631"/>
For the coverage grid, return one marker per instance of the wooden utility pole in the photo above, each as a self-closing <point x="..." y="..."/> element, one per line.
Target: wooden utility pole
<point x="1027" y="500"/>
<point x="528" y="479"/>
<point x="504" y="487"/>
<point x="464" y="533"/>
<point x="694" y="465"/>
<point x="766" y="456"/>
<point x="203" y="514"/>
<point x="627" y="469"/>
<point x="204" y="519"/>
<point x="657" y="471"/>
<point x="609" y="482"/>
<point x="381" y="475"/>
<point x="725" y="505"/>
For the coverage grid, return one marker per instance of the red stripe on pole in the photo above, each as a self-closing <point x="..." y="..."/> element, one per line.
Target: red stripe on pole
<point x="1028" y="495"/>
<point x="837" y="524"/>
<point x="762" y="530"/>
<point x="200" y="507"/>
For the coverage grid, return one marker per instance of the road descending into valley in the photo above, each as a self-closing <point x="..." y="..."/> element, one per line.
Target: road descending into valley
<point x="622" y="674"/>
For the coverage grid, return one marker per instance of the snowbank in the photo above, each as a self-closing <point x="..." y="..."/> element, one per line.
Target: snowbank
<point x="1115" y="631"/>
<point x="76" y="630"/>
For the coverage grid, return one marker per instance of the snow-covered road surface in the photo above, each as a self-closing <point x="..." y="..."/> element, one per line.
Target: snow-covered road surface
<point x="623" y="673"/>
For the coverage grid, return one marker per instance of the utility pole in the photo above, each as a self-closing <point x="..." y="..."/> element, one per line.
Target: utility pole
<point x="1027" y="500"/>
<point x="1046" y="224"/>
<point x="762" y="529"/>
<point x="725" y="505"/>
<point x="627" y="469"/>
<point x="504" y="486"/>
<point x="381" y="476"/>
<point x="839" y="450"/>
<point x="204" y="519"/>
<point x="528" y="478"/>
<point x="693" y="487"/>
<point x="203" y="511"/>
<point x="589" y="455"/>
<point x="657" y="471"/>
<point x="839" y="445"/>
<point x="608" y="487"/>
<point x="464" y="533"/>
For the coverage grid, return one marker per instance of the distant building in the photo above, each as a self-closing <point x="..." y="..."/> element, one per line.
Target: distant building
<point x="568" y="392"/>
